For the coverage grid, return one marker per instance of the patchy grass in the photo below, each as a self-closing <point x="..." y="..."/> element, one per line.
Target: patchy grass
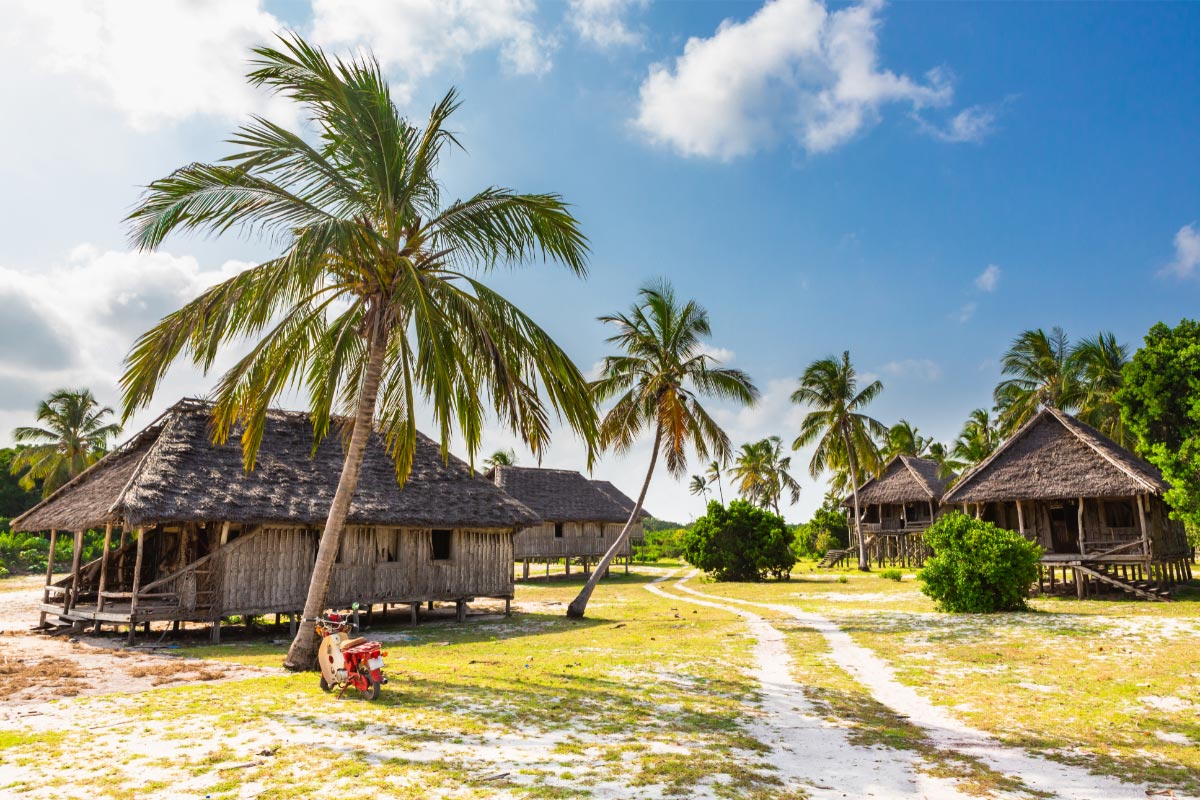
<point x="640" y="698"/>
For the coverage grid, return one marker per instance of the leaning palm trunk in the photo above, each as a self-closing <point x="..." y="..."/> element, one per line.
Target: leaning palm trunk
<point x="302" y="655"/>
<point x="579" y="604"/>
<point x="862" y="545"/>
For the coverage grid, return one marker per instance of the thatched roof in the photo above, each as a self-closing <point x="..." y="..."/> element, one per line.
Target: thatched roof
<point x="1056" y="456"/>
<point x="905" y="479"/>
<point x="171" y="472"/>
<point x="558" y="495"/>
<point x="620" y="498"/>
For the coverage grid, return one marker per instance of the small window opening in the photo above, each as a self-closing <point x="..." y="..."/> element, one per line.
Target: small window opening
<point x="389" y="546"/>
<point x="441" y="545"/>
<point x="558" y="530"/>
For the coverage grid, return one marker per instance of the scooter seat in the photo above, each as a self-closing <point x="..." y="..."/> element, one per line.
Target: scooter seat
<point x="362" y="647"/>
<point x="352" y="643"/>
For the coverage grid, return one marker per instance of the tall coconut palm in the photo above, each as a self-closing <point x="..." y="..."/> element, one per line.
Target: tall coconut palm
<point x="657" y="382"/>
<point x="1041" y="373"/>
<point x="713" y="473"/>
<point x="1099" y="362"/>
<point x="762" y="473"/>
<point x="977" y="439"/>
<point x="842" y="432"/>
<point x="72" y="434"/>
<point x="501" y="458"/>
<point x="903" y="438"/>
<point x="377" y="301"/>
<point x="948" y="465"/>
<point x="699" y="487"/>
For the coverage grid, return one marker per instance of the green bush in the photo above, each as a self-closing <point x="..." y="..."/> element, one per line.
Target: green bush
<point x="740" y="542"/>
<point x="660" y="545"/>
<point x="826" y="531"/>
<point x="977" y="568"/>
<point x="892" y="575"/>
<point x="27" y="552"/>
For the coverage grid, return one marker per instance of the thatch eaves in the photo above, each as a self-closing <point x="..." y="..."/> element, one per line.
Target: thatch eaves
<point x="1054" y="456"/>
<point x="905" y="479"/>
<point x="178" y="475"/>
<point x="620" y="498"/>
<point x="558" y="495"/>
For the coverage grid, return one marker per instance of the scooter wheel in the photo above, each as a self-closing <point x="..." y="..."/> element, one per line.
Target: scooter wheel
<point x="325" y="687"/>
<point x="372" y="690"/>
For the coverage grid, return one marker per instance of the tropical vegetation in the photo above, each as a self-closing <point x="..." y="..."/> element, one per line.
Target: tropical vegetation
<point x="73" y="432"/>
<point x="761" y="471"/>
<point x="656" y="383"/>
<point x="740" y="542"/>
<point x="976" y="567"/>
<point x="377" y="302"/>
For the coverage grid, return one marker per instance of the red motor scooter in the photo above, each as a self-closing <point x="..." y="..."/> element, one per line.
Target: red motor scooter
<point x="347" y="659"/>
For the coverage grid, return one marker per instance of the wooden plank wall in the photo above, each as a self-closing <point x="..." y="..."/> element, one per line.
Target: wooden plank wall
<point x="579" y="539"/>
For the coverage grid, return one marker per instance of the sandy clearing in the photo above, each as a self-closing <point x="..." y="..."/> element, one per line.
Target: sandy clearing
<point x="810" y="753"/>
<point x="1060" y="780"/>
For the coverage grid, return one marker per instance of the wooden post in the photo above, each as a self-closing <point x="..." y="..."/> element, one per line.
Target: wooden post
<point x="76" y="553"/>
<point x="214" y="633"/>
<point x="460" y="610"/>
<point x="1142" y="526"/>
<point x="49" y="576"/>
<point x="547" y="569"/>
<point x="1082" y="537"/>
<point x="431" y="605"/>
<point x="224" y="533"/>
<point x="567" y="566"/>
<point x="1020" y="519"/>
<point x="104" y="568"/>
<point x="121" y="560"/>
<point x="292" y="625"/>
<point x="525" y="568"/>
<point x="415" y="607"/>
<point x="508" y="606"/>
<point x="137" y="581"/>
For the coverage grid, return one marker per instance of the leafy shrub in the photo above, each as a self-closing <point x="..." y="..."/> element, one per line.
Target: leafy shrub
<point x="892" y="575"/>
<point x="826" y="531"/>
<point x="27" y="552"/>
<point x="843" y="579"/>
<point x="740" y="542"/>
<point x="660" y="545"/>
<point x="977" y="568"/>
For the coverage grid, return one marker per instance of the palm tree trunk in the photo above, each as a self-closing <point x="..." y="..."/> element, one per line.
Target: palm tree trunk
<point x="302" y="655"/>
<point x="863" y="564"/>
<point x="720" y="488"/>
<point x="579" y="604"/>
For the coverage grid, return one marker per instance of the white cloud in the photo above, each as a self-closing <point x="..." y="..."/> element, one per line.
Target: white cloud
<point x="602" y="22"/>
<point x="413" y="39"/>
<point x="1187" y="252"/>
<point x="791" y="68"/>
<point x="987" y="280"/>
<point x="155" y="61"/>
<point x="722" y="355"/>
<point x="972" y="124"/>
<point x="922" y="368"/>
<point x="965" y="311"/>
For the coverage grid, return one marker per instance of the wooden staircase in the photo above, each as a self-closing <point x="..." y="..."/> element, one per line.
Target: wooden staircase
<point x="833" y="558"/>
<point x="1147" y="590"/>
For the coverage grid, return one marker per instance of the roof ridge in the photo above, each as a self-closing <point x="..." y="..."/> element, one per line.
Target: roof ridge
<point x="970" y="474"/>
<point x="904" y="459"/>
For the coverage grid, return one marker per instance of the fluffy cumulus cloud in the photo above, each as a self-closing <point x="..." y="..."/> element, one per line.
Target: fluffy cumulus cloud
<point x="415" y="38"/>
<point x="987" y="280"/>
<point x="72" y="323"/>
<point x="1187" y="252"/>
<point x="793" y="68"/>
<point x="155" y="61"/>
<point x="602" y="23"/>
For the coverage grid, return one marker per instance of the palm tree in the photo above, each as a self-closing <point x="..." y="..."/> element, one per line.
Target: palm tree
<point x="657" y="381"/>
<point x="699" y="487"/>
<point x="948" y="465"/>
<point x="377" y="301"/>
<point x="1042" y="374"/>
<point x="71" y="436"/>
<point x="903" y="438"/>
<point x="1099" y="362"/>
<point x="843" y="433"/>
<point x="501" y="458"/>
<point x="978" y="438"/>
<point x="713" y="473"/>
<point x="762" y="473"/>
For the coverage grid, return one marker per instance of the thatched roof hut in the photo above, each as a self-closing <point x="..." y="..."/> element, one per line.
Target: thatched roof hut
<point x="579" y="517"/>
<point x="1093" y="506"/>
<point x="214" y="540"/>
<point x="905" y="479"/>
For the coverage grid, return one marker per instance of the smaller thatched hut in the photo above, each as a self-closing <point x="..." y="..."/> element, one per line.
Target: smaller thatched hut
<point x="580" y="518"/>
<point x="1095" y="508"/>
<point x="896" y="507"/>
<point x="201" y="539"/>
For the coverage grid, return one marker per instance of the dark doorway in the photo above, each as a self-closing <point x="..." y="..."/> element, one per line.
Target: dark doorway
<point x="1064" y="527"/>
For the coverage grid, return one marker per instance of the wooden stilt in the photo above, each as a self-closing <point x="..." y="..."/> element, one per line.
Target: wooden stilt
<point x="103" y="571"/>
<point x="137" y="582"/>
<point x="525" y="568"/>
<point x="49" y="575"/>
<point x="431" y="605"/>
<point x="460" y="610"/>
<point x="214" y="633"/>
<point x="567" y="567"/>
<point x="415" y="608"/>
<point x="73" y="590"/>
<point x="175" y="626"/>
<point x="292" y="625"/>
<point x="224" y="533"/>
<point x="508" y="606"/>
<point x="547" y="569"/>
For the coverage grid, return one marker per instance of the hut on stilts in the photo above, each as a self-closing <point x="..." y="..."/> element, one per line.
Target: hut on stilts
<point x="190" y="535"/>
<point x="895" y="508"/>
<point x="1095" y="508"/>
<point x="579" y="518"/>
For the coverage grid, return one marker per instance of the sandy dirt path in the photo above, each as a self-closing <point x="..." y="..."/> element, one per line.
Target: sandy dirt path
<point x="947" y="733"/>
<point x="809" y="752"/>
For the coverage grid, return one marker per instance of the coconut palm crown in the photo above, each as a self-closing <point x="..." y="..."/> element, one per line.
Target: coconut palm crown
<point x="376" y="305"/>
<point x="71" y="435"/>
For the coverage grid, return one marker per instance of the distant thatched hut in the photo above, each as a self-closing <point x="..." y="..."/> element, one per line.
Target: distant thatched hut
<point x="580" y="518"/>
<point x="1095" y="508"/>
<point x="210" y="540"/>
<point x="896" y="507"/>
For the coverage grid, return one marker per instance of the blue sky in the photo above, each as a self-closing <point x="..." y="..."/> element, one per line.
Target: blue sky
<point x="913" y="182"/>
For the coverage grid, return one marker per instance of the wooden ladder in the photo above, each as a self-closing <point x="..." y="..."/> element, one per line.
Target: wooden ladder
<point x="833" y="558"/>
<point x="1142" y="589"/>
